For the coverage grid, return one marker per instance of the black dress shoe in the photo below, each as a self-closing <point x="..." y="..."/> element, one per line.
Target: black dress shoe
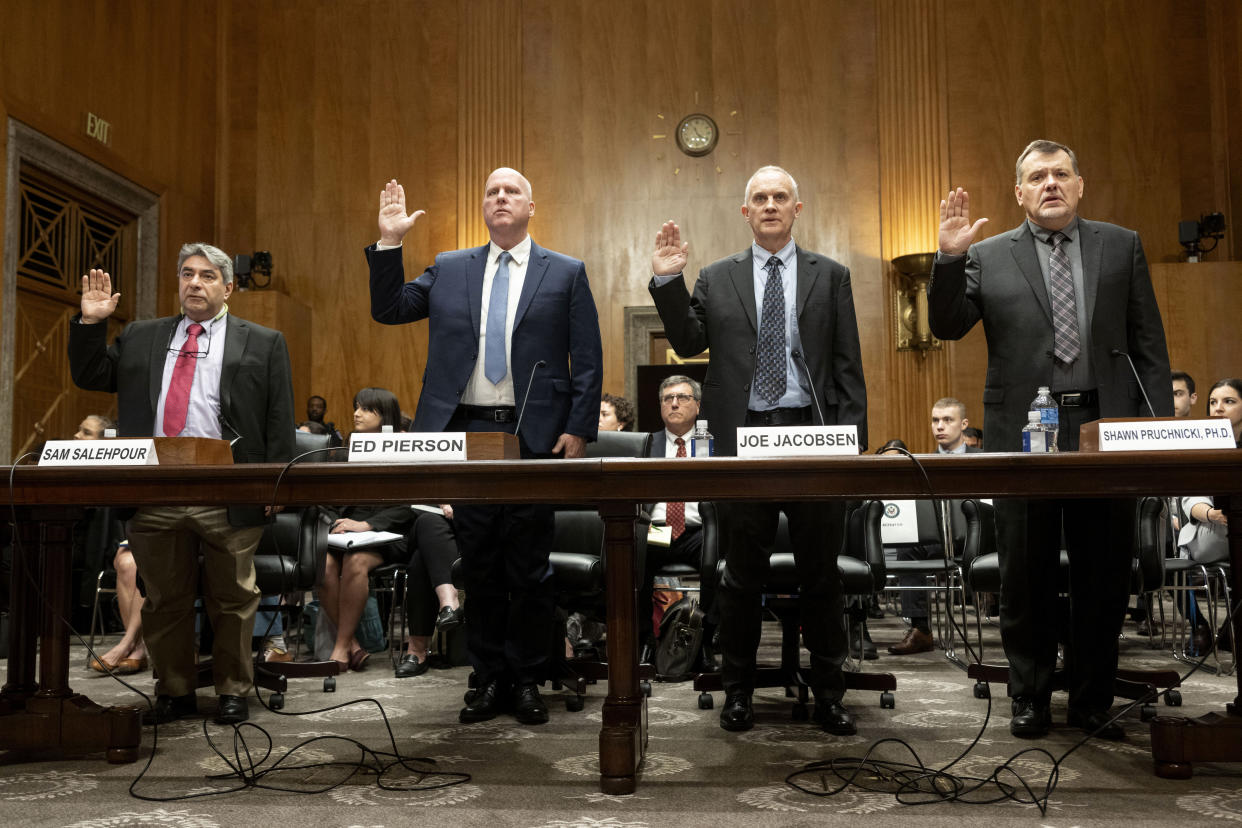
<point x="1097" y="724"/>
<point x="449" y="618"/>
<point x="528" y="706"/>
<point x="835" y="719"/>
<point x="410" y="666"/>
<point x="737" y="713"/>
<point x="170" y="708"/>
<point x="483" y="705"/>
<point x="232" y="710"/>
<point x="1031" y="720"/>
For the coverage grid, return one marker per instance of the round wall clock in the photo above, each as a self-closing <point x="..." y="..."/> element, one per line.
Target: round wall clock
<point x="697" y="135"/>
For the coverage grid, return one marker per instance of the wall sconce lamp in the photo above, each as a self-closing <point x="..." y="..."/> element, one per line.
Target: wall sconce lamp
<point x="910" y="302"/>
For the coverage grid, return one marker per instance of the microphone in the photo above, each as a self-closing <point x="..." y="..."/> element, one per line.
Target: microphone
<point x="224" y="421"/>
<point x="799" y="359"/>
<point x="1115" y="352"/>
<point x="526" y="398"/>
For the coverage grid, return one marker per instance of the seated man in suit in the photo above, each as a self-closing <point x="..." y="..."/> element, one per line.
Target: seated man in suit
<point x="948" y="427"/>
<point x="203" y="373"/>
<point x="679" y="407"/>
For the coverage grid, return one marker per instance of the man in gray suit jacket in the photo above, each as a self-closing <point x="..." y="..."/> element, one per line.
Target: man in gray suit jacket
<point x="1068" y="303"/>
<point x="780" y="324"/>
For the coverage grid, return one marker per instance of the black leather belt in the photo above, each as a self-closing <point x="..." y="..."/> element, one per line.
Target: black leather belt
<point x="1075" y="399"/>
<point x="779" y="417"/>
<point x="500" y="414"/>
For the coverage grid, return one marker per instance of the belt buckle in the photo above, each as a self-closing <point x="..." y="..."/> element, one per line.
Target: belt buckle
<point x="1072" y="400"/>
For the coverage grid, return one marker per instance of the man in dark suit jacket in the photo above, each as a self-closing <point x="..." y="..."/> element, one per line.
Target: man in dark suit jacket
<point x="513" y="338"/>
<point x="237" y="386"/>
<point x="803" y="366"/>
<point x="1091" y="278"/>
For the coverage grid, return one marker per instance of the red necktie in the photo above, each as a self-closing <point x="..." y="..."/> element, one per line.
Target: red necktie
<point x="177" y="403"/>
<point x="675" y="511"/>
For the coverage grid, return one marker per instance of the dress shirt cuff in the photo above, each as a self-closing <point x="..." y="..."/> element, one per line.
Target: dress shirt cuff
<point x="948" y="258"/>
<point x="382" y="246"/>
<point x="664" y="280"/>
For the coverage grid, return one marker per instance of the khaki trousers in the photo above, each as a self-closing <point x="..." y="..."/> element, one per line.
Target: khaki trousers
<point x="167" y="542"/>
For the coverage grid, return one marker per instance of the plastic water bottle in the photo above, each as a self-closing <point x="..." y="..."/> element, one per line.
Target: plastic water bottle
<point x="1034" y="437"/>
<point x="1048" y="416"/>
<point x="702" y="443"/>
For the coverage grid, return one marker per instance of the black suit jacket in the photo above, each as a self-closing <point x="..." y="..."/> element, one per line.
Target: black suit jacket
<point x="1000" y="282"/>
<point x="256" y="390"/>
<point x="721" y="315"/>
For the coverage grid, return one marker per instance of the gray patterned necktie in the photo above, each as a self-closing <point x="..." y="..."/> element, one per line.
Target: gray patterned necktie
<point x="494" y="362"/>
<point x="770" y="367"/>
<point x="1065" y="341"/>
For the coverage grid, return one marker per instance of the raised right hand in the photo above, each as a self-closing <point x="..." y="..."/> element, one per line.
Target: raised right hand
<point x="670" y="257"/>
<point x="956" y="231"/>
<point x="98" y="300"/>
<point x="393" y="222"/>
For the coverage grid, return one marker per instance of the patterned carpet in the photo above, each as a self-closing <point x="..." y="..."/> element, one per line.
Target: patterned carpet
<point x="695" y="773"/>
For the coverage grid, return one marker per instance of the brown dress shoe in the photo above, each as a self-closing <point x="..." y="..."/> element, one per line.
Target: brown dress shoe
<point x="916" y="641"/>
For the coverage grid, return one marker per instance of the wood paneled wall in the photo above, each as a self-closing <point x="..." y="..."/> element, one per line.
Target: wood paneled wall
<point x="277" y="130"/>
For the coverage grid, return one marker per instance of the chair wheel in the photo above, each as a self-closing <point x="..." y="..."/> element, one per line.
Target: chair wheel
<point x="982" y="690"/>
<point x="705" y="701"/>
<point x="277" y="701"/>
<point x="469" y="695"/>
<point x="574" y="703"/>
<point x="1147" y="712"/>
<point x="887" y="701"/>
<point x="1173" y="698"/>
<point x="645" y="686"/>
<point x="329" y="684"/>
<point x="800" y="712"/>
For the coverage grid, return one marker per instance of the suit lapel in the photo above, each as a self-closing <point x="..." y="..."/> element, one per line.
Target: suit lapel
<point x="1022" y="246"/>
<point x="808" y="272"/>
<point x="236" y="333"/>
<point x="475" y="266"/>
<point x="1092" y="254"/>
<point x="536" y="269"/>
<point x="742" y="274"/>
<point x="160" y="341"/>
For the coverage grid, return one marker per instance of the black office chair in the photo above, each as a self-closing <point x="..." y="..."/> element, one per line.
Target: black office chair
<point x="862" y="568"/>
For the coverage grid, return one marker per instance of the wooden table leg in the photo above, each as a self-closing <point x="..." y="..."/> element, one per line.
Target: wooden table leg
<point x="1177" y="743"/>
<point x="53" y="717"/>
<point x="623" y="736"/>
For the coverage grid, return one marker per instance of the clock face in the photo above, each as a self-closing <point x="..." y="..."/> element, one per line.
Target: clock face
<point x="697" y="134"/>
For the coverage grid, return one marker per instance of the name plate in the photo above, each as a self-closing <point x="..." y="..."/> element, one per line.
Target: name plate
<point x="796" y="441"/>
<point x="407" y="447"/>
<point x="125" y="452"/>
<point x="899" y="525"/>
<point x="1165" y="435"/>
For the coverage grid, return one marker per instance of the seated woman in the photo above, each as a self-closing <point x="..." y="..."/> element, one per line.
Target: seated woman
<point x="615" y="414"/>
<point x="430" y="597"/>
<point x="346" y="577"/>
<point x="1204" y="537"/>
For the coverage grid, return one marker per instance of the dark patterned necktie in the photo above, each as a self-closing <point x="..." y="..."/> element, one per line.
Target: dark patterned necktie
<point x="770" y="366"/>
<point x="675" y="511"/>
<point x="1065" y="341"/>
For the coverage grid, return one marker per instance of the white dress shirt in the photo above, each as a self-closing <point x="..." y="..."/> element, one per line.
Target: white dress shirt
<point x="480" y="390"/>
<point x="692" y="506"/>
<point x="202" y="419"/>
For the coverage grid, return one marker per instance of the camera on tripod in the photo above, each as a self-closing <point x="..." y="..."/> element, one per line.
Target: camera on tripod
<point x="1191" y="234"/>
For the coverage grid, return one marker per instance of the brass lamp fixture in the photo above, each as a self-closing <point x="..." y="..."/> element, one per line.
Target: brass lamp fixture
<point x="910" y="303"/>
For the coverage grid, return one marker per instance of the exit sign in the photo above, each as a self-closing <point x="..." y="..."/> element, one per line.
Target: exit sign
<point x="98" y="128"/>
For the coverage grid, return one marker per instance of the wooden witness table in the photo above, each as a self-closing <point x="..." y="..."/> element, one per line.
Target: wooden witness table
<point x="37" y="715"/>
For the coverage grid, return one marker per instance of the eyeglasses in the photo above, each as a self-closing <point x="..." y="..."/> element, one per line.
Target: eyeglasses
<point x="206" y="334"/>
<point x="681" y="399"/>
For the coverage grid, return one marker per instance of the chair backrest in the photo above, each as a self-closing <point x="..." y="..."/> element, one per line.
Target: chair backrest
<point x="620" y="444"/>
<point x="1151" y="541"/>
<point x="292" y="551"/>
<point x="980" y="534"/>
<point x="304" y="442"/>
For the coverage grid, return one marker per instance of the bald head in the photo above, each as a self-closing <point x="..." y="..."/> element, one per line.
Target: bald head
<point x="506" y="172"/>
<point x="507" y="207"/>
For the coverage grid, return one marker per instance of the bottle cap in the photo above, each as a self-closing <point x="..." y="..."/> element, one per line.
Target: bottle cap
<point x="1044" y="390"/>
<point x="109" y="433"/>
<point x="700" y="425"/>
<point x="1032" y="416"/>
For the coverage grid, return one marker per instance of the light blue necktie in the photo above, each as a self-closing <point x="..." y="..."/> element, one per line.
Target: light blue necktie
<point x="497" y="311"/>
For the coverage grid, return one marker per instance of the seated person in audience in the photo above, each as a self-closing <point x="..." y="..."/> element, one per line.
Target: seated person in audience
<point x="679" y="406"/>
<point x="615" y="413"/>
<point x="1184" y="396"/>
<point x="130" y="654"/>
<point x="312" y="427"/>
<point x="316" y="409"/>
<point x="948" y="424"/>
<point x="1204" y="537"/>
<point x="346" y="577"/>
<point x="973" y="437"/>
<point x="430" y="597"/>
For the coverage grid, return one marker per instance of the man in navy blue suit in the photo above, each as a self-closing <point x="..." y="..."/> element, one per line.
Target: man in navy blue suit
<point x="513" y="341"/>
